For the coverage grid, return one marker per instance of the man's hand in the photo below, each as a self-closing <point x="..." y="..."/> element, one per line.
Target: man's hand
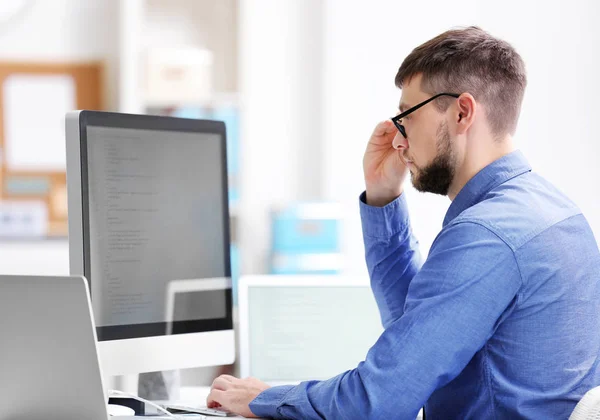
<point x="234" y="395"/>
<point x="383" y="166"/>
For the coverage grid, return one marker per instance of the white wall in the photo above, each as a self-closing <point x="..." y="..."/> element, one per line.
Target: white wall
<point x="58" y="30"/>
<point x="365" y="44"/>
<point x="281" y="131"/>
<point x="34" y="257"/>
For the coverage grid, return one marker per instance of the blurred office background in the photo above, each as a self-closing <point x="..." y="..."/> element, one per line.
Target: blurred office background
<point x="300" y="85"/>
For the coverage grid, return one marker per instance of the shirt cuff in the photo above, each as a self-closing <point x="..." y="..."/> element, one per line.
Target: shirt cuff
<point x="267" y="402"/>
<point x="383" y="222"/>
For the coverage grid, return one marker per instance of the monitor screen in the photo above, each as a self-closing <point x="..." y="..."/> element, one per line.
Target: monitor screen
<point x="298" y="333"/>
<point x="155" y="214"/>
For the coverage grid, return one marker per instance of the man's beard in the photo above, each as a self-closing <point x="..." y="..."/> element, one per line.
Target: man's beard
<point x="439" y="174"/>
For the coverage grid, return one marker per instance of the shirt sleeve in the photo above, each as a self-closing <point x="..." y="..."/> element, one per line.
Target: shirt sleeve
<point x="392" y="254"/>
<point x="453" y="306"/>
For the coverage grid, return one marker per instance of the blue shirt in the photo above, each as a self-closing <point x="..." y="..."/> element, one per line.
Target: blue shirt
<point x="502" y="321"/>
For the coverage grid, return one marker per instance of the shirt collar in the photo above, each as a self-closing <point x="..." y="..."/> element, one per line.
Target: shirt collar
<point x="496" y="173"/>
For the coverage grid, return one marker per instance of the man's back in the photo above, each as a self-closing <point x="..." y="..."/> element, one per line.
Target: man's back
<point x="544" y="351"/>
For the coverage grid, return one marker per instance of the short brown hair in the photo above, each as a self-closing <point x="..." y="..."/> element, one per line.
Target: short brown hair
<point x="471" y="60"/>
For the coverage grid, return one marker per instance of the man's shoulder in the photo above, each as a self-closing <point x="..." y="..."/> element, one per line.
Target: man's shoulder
<point x="520" y="209"/>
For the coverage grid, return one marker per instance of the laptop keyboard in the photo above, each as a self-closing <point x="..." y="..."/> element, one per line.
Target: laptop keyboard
<point x="180" y="410"/>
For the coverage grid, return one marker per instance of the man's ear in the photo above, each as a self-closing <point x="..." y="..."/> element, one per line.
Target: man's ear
<point x="465" y="112"/>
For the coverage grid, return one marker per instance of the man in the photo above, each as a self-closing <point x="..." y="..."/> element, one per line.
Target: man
<point x="502" y="321"/>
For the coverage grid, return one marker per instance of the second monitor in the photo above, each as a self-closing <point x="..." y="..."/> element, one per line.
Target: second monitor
<point x="148" y="212"/>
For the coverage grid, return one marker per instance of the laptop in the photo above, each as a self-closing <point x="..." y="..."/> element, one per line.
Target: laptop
<point x="48" y="360"/>
<point x="295" y="328"/>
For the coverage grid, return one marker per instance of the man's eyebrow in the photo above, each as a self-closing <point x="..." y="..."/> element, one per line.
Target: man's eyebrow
<point x="403" y="107"/>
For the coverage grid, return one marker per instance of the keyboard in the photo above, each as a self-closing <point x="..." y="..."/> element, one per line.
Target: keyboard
<point x="182" y="409"/>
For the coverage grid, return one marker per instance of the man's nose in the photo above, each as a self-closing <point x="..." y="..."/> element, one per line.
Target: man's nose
<point x="399" y="142"/>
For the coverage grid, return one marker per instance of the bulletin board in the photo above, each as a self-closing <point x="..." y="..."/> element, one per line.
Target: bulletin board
<point x="33" y="100"/>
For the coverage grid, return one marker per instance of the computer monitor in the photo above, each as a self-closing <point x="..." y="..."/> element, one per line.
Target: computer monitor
<point x="296" y="328"/>
<point x="148" y="223"/>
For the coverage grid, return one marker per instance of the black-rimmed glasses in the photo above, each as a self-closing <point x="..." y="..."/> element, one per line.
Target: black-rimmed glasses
<point x="397" y="118"/>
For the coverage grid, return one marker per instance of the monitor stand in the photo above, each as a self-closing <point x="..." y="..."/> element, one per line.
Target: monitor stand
<point x="152" y="385"/>
<point x="126" y="383"/>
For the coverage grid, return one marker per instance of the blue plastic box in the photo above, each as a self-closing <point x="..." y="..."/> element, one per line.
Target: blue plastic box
<point x="306" y="228"/>
<point x="305" y="263"/>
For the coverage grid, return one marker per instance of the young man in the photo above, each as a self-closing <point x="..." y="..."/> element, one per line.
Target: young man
<point x="502" y="320"/>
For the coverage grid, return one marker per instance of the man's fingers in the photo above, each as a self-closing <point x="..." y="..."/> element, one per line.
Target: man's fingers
<point x="384" y="127"/>
<point x="213" y="404"/>
<point x="390" y="127"/>
<point x="216" y="398"/>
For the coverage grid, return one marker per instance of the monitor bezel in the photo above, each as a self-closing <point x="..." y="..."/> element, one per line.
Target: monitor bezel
<point x="160" y="123"/>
